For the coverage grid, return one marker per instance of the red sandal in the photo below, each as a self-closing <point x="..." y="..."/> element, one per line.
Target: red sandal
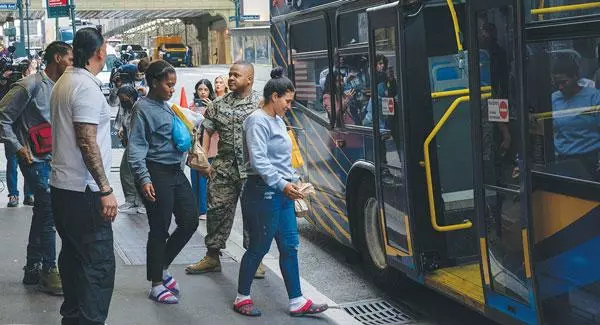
<point x="246" y="308"/>
<point x="309" y="308"/>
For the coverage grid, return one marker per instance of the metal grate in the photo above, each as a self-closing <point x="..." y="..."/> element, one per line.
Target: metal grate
<point x="378" y="312"/>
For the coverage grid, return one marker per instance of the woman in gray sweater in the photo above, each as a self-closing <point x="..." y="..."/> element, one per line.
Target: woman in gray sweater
<point x="268" y="198"/>
<point x="156" y="164"/>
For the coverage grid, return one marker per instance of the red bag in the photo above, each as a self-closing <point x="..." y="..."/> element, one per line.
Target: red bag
<point x="41" y="139"/>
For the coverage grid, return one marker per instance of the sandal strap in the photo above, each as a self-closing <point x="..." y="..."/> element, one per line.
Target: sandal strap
<point x="306" y="307"/>
<point x="243" y="303"/>
<point x="164" y="295"/>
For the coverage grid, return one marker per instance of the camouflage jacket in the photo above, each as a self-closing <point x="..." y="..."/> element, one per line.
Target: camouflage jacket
<point x="226" y="116"/>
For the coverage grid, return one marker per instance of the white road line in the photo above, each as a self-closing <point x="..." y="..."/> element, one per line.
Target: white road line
<point x="236" y="250"/>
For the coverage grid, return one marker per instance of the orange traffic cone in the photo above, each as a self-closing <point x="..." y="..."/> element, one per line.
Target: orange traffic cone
<point x="183" y="98"/>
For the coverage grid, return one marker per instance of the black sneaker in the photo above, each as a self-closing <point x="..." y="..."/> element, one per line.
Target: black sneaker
<point x="28" y="200"/>
<point x="32" y="274"/>
<point x="13" y="201"/>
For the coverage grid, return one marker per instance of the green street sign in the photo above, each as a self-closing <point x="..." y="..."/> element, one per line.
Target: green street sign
<point x="10" y="31"/>
<point x="57" y="8"/>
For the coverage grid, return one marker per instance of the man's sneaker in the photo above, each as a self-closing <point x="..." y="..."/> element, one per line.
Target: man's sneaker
<point x="50" y="282"/>
<point x="260" y="272"/>
<point x="13" y="201"/>
<point x="141" y="210"/>
<point x="28" y="200"/>
<point x="207" y="264"/>
<point x="32" y="274"/>
<point x="128" y="208"/>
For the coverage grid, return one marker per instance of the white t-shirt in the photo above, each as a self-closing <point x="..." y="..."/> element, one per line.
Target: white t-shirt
<point x="77" y="97"/>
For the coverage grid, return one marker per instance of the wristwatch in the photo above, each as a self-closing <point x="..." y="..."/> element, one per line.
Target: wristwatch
<point x="107" y="193"/>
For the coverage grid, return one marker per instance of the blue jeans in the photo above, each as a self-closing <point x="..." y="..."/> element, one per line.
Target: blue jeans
<point x="200" y="182"/>
<point x="12" y="178"/>
<point x="42" y="234"/>
<point x="269" y="214"/>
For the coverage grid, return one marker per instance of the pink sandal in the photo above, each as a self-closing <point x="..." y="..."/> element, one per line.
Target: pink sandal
<point x="246" y="308"/>
<point x="309" y="308"/>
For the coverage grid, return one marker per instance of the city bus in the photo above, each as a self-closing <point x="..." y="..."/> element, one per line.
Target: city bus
<point x="456" y="142"/>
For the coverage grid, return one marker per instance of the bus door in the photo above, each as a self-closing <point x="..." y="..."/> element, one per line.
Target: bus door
<point x="387" y="115"/>
<point x="501" y="179"/>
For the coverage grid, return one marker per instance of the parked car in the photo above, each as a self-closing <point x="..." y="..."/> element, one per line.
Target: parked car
<point x="137" y="52"/>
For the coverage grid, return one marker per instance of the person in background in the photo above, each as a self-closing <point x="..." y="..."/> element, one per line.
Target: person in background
<point x="12" y="164"/>
<point x="127" y="96"/>
<point x="203" y="96"/>
<point x="83" y="202"/>
<point x="26" y="107"/>
<point x="268" y="198"/>
<point x="225" y="116"/>
<point x="221" y="88"/>
<point x="156" y="164"/>
<point x="576" y="122"/>
<point x="341" y="101"/>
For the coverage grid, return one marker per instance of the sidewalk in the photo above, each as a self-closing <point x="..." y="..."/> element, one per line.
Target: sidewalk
<point x="206" y="299"/>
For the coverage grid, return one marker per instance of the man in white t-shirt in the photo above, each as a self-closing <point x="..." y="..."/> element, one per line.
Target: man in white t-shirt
<point x="83" y="202"/>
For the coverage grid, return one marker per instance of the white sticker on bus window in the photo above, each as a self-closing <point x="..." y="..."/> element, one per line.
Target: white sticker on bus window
<point x="498" y="110"/>
<point x="387" y="106"/>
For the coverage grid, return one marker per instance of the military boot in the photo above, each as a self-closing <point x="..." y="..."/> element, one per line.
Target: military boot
<point x="50" y="282"/>
<point x="260" y="272"/>
<point x="207" y="264"/>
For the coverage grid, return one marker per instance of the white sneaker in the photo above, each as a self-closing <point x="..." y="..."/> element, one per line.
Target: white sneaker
<point x="128" y="208"/>
<point x="141" y="210"/>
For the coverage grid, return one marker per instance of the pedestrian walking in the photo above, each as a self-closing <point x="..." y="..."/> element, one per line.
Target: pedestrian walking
<point x="12" y="180"/>
<point x="268" y="198"/>
<point x="225" y="116"/>
<point x="83" y="202"/>
<point x="203" y="96"/>
<point x="25" y="128"/>
<point x="133" y="203"/>
<point x="156" y="163"/>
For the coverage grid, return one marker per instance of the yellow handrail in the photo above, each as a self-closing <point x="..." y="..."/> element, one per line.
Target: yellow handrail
<point x="459" y="45"/>
<point x="551" y="10"/>
<point x="458" y="92"/>
<point x="467" y="224"/>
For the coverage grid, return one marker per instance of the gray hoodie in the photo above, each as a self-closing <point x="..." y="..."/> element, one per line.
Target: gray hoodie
<point x="26" y="104"/>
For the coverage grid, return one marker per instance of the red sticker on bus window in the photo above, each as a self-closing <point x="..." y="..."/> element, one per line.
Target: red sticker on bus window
<point x="498" y="110"/>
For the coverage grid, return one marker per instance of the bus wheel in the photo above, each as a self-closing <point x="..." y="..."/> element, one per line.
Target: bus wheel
<point x="371" y="236"/>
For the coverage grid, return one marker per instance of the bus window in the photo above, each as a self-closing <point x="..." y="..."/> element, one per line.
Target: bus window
<point x="310" y="64"/>
<point x="564" y="99"/>
<point x="352" y="88"/>
<point x="353" y="28"/>
<point x="556" y="9"/>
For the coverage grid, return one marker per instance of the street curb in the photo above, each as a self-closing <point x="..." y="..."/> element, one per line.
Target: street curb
<point x="236" y="250"/>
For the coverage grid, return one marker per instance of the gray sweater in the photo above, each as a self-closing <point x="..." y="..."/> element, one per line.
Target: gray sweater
<point x="150" y="139"/>
<point x="268" y="149"/>
<point x="26" y="104"/>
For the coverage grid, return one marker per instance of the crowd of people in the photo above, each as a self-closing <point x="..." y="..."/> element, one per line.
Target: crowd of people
<point x="57" y="120"/>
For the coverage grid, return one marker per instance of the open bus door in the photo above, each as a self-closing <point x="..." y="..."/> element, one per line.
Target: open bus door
<point x="501" y="177"/>
<point x="388" y="116"/>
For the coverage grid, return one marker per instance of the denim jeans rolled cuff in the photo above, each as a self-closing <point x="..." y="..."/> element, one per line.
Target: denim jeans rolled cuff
<point x="87" y="259"/>
<point x="41" y="247"/>
<point x="173" y="197"/>
<point x="269" y="215"/>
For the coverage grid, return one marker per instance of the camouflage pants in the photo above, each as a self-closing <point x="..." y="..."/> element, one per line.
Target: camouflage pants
<point x="222" y="198"/>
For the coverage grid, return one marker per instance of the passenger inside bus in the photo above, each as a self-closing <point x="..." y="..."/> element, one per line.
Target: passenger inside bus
<point x="576" y="122"/>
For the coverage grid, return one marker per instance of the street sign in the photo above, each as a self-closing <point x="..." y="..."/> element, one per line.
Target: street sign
<point x="249" y="17"/>
<point x="10" y="31"/>
<point x="57" y="8"/>
<point x="8" y="6"/>
<point x="245" y="17"/>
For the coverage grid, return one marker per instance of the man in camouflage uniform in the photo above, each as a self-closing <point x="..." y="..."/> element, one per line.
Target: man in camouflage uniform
<point x="226" y="116"/>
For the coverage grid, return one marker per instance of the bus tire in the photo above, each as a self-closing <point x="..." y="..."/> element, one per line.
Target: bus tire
<point x="370" y="235"/>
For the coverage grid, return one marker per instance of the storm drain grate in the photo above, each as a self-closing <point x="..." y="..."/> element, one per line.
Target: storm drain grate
<point x="377" y="312"/>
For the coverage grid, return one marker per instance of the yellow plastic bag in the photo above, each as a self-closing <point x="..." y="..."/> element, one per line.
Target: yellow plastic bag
<point x="297" y="160"/>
